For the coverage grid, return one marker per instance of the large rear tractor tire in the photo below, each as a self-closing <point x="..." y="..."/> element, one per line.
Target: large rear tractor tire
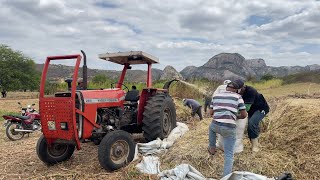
<point x="159" y="117"/>
<point x="55" y="153"/>
<point x="116" y="150"/>
<point x="12" y="134"/>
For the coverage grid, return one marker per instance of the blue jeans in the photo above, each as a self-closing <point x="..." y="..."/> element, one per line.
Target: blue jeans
<point x="229" y="139"/>
<point x="253" y="124"/>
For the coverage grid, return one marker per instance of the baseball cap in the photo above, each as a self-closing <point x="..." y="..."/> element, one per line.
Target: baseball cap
<point x="80" y="80"/>
<point x="239" y="82"/>
<point x="233" y="85"/>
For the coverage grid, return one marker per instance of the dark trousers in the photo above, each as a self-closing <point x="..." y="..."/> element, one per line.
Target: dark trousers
<point x="253" y="124"/>
<point x="206" y="106"/>
<point x="197" y="111"/>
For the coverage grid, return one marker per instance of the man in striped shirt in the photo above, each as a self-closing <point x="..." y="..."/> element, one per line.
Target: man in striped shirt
<point x="226" y="107"/>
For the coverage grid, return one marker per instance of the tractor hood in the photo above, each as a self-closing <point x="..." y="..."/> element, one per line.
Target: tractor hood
<point x="115" y="95"/>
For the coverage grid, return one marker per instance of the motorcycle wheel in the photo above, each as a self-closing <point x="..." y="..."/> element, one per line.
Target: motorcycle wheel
<point x="11" y="134"/>
<point x="55" y="153"/>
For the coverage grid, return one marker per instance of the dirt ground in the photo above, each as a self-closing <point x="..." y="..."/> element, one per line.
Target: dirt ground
<point x="11" y="105"/>
<point x="289" y="143"/>
<point x="18" y="159"/>
<point x="285" y="148"/>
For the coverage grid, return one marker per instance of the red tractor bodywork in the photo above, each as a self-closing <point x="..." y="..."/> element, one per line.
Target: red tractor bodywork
<point x="57" y="110"/>
<point x="105" y="116"/>
<point x="62" y="109"/>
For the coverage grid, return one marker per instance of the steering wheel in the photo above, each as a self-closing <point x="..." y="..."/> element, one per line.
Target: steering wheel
<point x="124" y="87"/>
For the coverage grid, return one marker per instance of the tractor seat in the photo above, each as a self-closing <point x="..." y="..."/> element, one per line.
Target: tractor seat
<point x="132" y="96"/>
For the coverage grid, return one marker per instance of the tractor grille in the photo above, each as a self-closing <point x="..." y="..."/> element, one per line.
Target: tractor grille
<point x="55" y="111"/>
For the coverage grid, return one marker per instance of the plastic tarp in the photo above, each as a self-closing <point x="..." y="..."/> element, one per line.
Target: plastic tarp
<point x="150" y="164"/>
<point x="158" y="145"/>
<point x="183" y="171"/>
<point x="242" y="175"/>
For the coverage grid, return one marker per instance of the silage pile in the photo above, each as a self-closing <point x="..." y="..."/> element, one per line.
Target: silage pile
<point x="290" y="143"/>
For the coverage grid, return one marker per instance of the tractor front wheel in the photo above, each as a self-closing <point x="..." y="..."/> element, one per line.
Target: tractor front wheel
<point x="159" y="117"/>
<point x="116" y="150"/>
<point x="55" y="153"/>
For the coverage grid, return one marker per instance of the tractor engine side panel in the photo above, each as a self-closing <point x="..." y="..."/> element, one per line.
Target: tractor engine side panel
<point x="95" y="99"/>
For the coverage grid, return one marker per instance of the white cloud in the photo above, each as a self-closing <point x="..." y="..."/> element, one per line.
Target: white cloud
<point x="180" y="33"/>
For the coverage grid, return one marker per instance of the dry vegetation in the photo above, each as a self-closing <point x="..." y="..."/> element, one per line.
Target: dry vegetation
<point x="290" y="143"/>
<point x="22" y="95"/>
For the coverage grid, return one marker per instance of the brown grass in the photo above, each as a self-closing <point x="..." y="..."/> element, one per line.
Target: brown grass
<point x="19" y="161"/>
<point x="12" y="104"/>
<point x="22" y="95"/>
<point x="290" y="143"/>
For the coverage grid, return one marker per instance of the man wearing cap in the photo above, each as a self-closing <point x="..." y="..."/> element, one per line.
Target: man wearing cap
<point x="222" y="87"/>
<point x="80" y="84"/>
<point x="257" y="108"/>
<point x="194" y="106"/>
<point x="207" y="101"/>
<point x="225" y="107"/>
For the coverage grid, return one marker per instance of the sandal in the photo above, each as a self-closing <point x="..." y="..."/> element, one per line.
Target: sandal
<point x="211" y="153"/>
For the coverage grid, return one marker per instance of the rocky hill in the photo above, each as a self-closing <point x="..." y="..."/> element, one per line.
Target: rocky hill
<point x="233" y="65"/>
<point x="220" y="67"/>
<point x="60" y="72"/>
<point x="170" y="72"/>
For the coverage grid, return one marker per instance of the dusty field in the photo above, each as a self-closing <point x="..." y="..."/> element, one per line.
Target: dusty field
<point x="22" y="95"/>
<point x="11" y="105"/>
<point x="290" y="143"/>
<point x="19" y="161"/>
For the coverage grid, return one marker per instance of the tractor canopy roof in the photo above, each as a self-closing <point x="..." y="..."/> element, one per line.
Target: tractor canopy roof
<point x="131" y="57"/>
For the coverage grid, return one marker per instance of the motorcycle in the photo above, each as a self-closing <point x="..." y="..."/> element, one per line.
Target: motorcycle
<point x="17" y="126"/>
<point x="29" y="109"/>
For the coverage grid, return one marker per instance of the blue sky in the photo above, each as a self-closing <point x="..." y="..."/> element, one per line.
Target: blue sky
<point x="180" y="33"/>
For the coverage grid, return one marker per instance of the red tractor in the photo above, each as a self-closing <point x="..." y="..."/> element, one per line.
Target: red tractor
<point x="105" y="116"/>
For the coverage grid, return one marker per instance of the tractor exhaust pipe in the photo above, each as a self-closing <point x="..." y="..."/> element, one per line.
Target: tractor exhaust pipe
<point x="23" y="130"/>
<point x="85" y="71"/>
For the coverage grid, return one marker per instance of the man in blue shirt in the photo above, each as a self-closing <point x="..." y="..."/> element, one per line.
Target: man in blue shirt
<point x="194" y="106"/>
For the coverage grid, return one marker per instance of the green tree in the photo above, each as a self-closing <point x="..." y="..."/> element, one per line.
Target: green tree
<point x="100" y="79"/>
<point x="17" y="71"/>
<point x="267" y="77"/>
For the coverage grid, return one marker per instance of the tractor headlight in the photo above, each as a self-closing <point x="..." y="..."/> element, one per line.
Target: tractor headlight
<point x="64" y="125"/>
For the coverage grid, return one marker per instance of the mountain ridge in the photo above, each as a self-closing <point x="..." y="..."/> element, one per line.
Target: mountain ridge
<point x="220" y="67"/>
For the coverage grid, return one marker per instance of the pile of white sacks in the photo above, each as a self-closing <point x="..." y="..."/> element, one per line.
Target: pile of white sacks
<point x="150" y="163"/>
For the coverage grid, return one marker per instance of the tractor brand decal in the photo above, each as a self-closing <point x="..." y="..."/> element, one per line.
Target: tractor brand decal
<point x="100" y="100"/>
<point x="122" y="98"/>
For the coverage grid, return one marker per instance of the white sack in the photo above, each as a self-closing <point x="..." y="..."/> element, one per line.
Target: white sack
<point x="183" y="171"/>
<point x="158" y="145"/>
<point x="242" y="175"/>
<point x="149" y="165"/>
<point x="238" y="148"/>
